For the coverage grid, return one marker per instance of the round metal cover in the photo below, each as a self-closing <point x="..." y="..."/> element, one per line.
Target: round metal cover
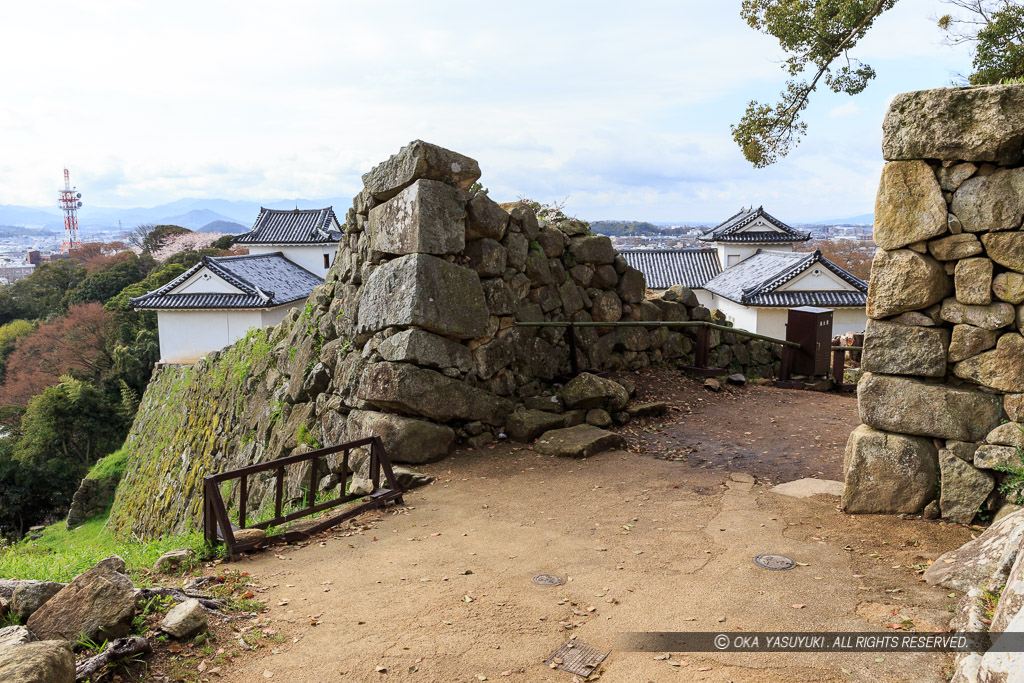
<point x="548" y="580"/>
<point x="774" y="561"/>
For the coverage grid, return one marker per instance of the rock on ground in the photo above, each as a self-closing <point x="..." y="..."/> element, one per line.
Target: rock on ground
<point x="171" y="560"/>
<point x="49" y="661"/>
<point x="977" y="561"/>
<point x="586" y="391"/>
<point x="31" y="595"/>
<point x="581" y="441"/>
<point x="888" y="473"/>
<point x="526" y="425"/>
<point x="405" y="439"/>
<point x="11" y="636"/>
<point x="184" y="620"/>
<point x="964" y="488"/>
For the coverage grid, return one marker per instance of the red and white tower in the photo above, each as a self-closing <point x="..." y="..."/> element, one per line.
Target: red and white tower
<point x="70" y="201"/>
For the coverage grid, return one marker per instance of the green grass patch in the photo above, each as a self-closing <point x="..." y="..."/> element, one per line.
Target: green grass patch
<point x="61" y="555"/>
<point x="111" y="466"/>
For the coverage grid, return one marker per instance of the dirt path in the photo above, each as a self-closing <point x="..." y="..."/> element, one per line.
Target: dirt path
<point x="442" y="591"/>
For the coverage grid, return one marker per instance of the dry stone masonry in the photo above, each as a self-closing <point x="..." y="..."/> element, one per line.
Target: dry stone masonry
<point x="941" y="399"/>
<point x="414" y="337"/>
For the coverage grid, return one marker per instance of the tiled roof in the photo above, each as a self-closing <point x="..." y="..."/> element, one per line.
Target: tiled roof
<point x="265" y="281"/>
<point x="293" y="226"/>
<point x="663" y="268"/>
<point x="755" y="280"/>
<point x="731" y="230"/>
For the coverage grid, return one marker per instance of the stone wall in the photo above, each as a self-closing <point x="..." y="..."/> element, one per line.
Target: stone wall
<point x="92" y="497"/>
<point x="413" y="337"/>
<point x="942" y="397"/>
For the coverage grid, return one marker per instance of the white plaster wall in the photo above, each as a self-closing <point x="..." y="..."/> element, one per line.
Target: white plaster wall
<point x="187" y="336"/>
<point x="704" y="298"/>
<point x="849" y="320"/>
<point x="310" y="257"/>
<point x="743" y="317"/>
<point x="205" y="282"/>
<point x="273" y="316"/>
<point x="818" y="278"/>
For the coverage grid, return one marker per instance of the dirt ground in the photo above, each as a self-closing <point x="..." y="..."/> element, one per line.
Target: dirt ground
<point x="661" y="539"/>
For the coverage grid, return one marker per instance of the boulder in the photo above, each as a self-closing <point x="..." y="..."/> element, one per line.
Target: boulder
<point x="418" y="160"/>
<point x="538" y="267"/>
<point x="647" y="410"/>
<point x="249" y="535"/>
<point x="405" y="439"/>
<point x="598" y="418"/>
<point x="1001" y="369"/>
<point x="524" y="216"/>
<point x="977" y="561"/>
<point x="1005" y="510"/>
<point x="551" y="241"/>
<point x="50" y="661"/>
<point x="1004" y="661"/>
<point x="516" y="247"/>
<point x="955" y="247"/>
<point x="485" y="218"/>
<point x="905" y="350"/>
<point x="424" y="348"/>
<point x="1009" y="287"/>
<point x="581" y="441"/>
<point x="910" y="406"/>
<point x="501" y="300"/>
<point x="682" y="294"/>
<point x="1011" y="600"/>
<point x="888" y="473"/>
<point x="586" y="391"/>
<point x="631" y="287"/>
<point x="409" y="478"/>
<point x="172" y="560"/>
<point x="1014" y="406"/>
<point x="903" y="280"/>
<point x="427" y="217"/>
<point x="962" y="449"/>
<point x="492" y="357"/>
<point x="968" y="341"/>
<point x="98" y="604"/>
<point x="185" y="620"/>
<point x="991" y="317"/>
<point x="953" y="124"/>
<point x="991" y="202"/>
<point x="964" y="488"/>
<point x="573" y="227"/>
<point x="990" y="457"/>
<point x="31" y="595"/>
<point x="1006" y="249"/>
<point x="909" y="206"/>
<point x="592" y="249"/>
<point x="951" y="177"/>
<point x="425" y="291"/>
<point x="526" y="425"/>
<point x="418" y="391"/>
<point x="12" y="636"/>
<point x="973" y="281"/>
<point x="550" y="404"/>
<point x="606" y="307"/>
<point x="1007" y="434"/>
<point x="487" y="257"/>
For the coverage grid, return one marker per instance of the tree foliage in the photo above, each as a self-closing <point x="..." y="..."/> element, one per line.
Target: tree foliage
<point x="999" y="55"/>
<point x="41" y="294"/>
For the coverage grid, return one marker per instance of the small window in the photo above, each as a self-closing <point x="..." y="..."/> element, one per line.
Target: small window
<point x="327" y="260"/>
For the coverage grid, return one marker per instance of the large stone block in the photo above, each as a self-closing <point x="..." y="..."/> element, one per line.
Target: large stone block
<point x="581" y="441"/>
<point x="1001" y="369"/>
<point x="888" y="473"/>
<point x="405" y="439"/>
<point x="909" y="406"/>
<point x="419" y="160"/>
<point x="49" y="661"/>
<point x="964" y="488"/>
<point x="952" y="124"/>
<point x="425" y="348"/>
<point x="1009" y="287"/>
<point x="953" y="247"/>
<point x="427" y="217"/>
<point x="592" y="249"/>
<point x="1006" y="249"/>
<point x="991" y="202"/>
<point x="951" y="177"/>
<point x="897" y="349"/>
<point x="487" y="257"/>
<point x="485" y="219"/>
<point x="968" y="341"/>
<point x="991" y="317"/>
<point x="425" y="291"/>
<point x="526" y="425"/>
<point x="586" y="391"/>
<point x="909" y="206"/>
<point x="976" y="562"/>
<point x="903" y="280"/>
<point x="98" y="604"/>
<point x="973" y="281"/>
<point x="418" y="391"/>
<point x="990" y="457"/>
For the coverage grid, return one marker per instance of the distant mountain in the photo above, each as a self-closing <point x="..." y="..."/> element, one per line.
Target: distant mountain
<point x="862" y="219"/>
<point x="27" y="216"/>
<point x="194" y="219"/>
<point x="224" y="227"/>
<point x="7" y="231"/>
<point x="627" y="228"/>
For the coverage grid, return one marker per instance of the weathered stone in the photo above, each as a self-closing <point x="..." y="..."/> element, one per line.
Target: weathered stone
<point x="418" y="160"/>
<point x="968" y="341"/>
<point x="599" y="418"/>
<point x="50" y="661"/>
<point x="98" y="604"/>
<point x="955" y="226"/>
<point x="977" y="561"/>
<point x="427" y="217"/>
<point x="909" y="207"/>
<point x="551" y="241"/>
<point x="516" y="248"/>
<point x="501" y="300"/>
<point x="683" y="295"/>
<point x="888" y="473"/>
<point x="11" y="636"/>
<point x="425" y="291"/>
<point x="973" y="281"/>
<point x="905" y="350"/>
<point x="903" y="280"/>
<point x="525" y="217"/>
<point x="909" y="406"/>
<point x="409" y="478"/>
<point x="31" y="595"/>
<point x="485" y="218"/>
<point x="526" y="425"/>
<point x="538" y="267"/>
<point x="1004" y="661"/>
<point x="571" y="298"/>
<point x="491" y="357"/>
<point x="606" y="307"/>
<point x="185" y="620"/>
<point x="955" y="247"/>
<point x="1009" y="287"/>
<point x="916" y="318"/>
<point x="1007" y="434"/>
<point x="586" y="391"/>
<point x="991" y="317"/>
<point x="952" y="124"/>
<point x="573" y="227"/>
<point x="1014" y="406"/>
<point x="964" y="488"/>
<point x="931" y="511"/>
<point x="425" y="348"/>
<point x="604" y="277"/>
<point x="1006" y="249"/>
<point x="592" y="249"/>
<point x="647" y="410"/>
<point x="1001" y="368"/>
<point x="1006" y="510"/>
<point x="989" y="457"/>
<point x="487" y="257"/>
<point x="551" y="404"/>
<point x="249" y="535"/>
<point x="581" y="441"/>
<point x="172" y="560"/>
<point x="1011" y="599"/>
<point x="405" y="439"/>
<point x="951" y="177"/>
<point x="583" y="274"/>
<point x="632" y="287"/>
<point x="410" y="389"/>
<point x="991" y="203"/>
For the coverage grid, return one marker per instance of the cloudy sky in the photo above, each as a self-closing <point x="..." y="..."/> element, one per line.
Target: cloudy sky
<point x="623" y="107"/>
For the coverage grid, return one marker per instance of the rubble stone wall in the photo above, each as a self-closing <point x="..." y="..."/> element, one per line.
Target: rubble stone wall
<point x="942" y="398"/>
<point x="413" y="337"/>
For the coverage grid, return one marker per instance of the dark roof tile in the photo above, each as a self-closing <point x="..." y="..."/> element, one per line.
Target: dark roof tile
<point x="663" y="268"/>
<point x="293" y="226"/>
<point x="731" y="229"/>
<point x="755" y="280"/>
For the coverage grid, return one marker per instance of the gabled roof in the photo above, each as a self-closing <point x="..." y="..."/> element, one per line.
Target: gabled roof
<point x="264" y="281"/>
<point x="755" y="280"/>
<point x="663" y="268"/>
<point x="732" y="229"/>
<point x="293" y="226"/>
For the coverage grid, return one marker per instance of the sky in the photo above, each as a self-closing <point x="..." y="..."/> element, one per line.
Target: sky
<point x="622" y="109"/>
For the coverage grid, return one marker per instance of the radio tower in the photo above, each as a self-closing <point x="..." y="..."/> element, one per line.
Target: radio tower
<point x="70" y="201"/>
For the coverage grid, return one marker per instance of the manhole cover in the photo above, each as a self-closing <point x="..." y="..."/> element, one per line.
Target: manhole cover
<point x="548" y="580"/>
<point x="774" y="561"/>
<point x="577" y="658"/>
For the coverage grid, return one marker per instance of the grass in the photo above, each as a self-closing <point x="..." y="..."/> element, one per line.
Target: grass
<point x="112" y="466"/>
<point x="61" y="555"/>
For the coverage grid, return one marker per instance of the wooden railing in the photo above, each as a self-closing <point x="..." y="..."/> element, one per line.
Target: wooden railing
<point x="218" y="528"/>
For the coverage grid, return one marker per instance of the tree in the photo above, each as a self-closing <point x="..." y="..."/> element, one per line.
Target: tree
<point x="106" y="283"/>
<point x="999" y="55"/>
<point x="42" y="294"/>
<point x="159" y="234"/>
